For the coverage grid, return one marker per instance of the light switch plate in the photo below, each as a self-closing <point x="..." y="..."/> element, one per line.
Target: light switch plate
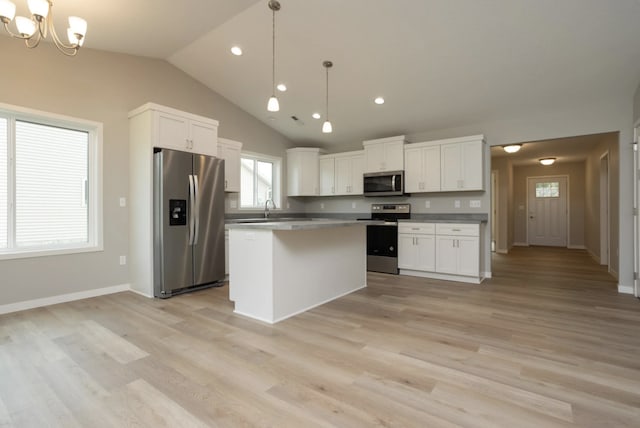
<point x="353" y="205"/>
<point x="123" y="202"/>
<point x="123" y="260"/>
<point x="474" y="204"/>
<point x="321" y="205"/>
<point x="456" y="203"/>
<point x="427" y="204"/>
<point x="288" y="206"/>
<point x="233" y="204"/>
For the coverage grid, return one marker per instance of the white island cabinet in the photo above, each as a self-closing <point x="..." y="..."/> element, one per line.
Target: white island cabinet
<point x="280" y="269"/>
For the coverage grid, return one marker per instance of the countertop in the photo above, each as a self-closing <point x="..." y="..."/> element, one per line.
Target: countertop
<point x="443" y="220"/>
<point x="308" y="224"/>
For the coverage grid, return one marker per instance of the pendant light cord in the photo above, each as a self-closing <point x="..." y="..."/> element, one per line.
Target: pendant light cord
<point x="273" y="55"/>
<point x="327" y="94"/>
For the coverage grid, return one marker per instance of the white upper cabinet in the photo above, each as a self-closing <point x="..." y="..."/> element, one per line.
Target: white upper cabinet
<point x="327" y="175"/>
<point x="303" y="171"/>
<point x="231" y="152"/>
<point x="385" y="154"/>
<point x="349" y="169"/>
<point x="422" y="168"/>
<point x="178" y="130"/>
<point x="451" y="165"/>
<point x="341" y="173"/>
<point x="462" y="165"/>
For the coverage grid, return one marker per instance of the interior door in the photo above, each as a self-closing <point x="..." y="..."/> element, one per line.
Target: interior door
<point x="547" y="211"/>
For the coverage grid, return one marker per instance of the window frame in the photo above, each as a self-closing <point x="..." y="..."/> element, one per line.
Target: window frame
<point x="276" y="193"/>
<point x="95" y="236"/>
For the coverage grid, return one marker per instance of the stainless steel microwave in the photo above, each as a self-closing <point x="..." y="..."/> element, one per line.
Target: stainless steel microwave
<point x="387" y="183"/>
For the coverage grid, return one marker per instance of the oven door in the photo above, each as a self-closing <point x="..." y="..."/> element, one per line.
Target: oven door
<point x="382" y="248"/>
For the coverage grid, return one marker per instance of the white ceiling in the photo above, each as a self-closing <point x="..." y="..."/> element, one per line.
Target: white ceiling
<point x="438" y="63"/>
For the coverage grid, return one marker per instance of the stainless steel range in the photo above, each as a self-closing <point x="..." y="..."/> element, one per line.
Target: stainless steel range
<point x="382" y="237"/>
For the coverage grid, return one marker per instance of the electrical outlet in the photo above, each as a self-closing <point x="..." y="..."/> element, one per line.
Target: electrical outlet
<point x="123" y="202"/>
<point x="456" y="203"/>
<point x="353" y="205"/>
<point x="321" y="205"/>
<point x="288" y="206"/>
<point x="233" y="204"/>
<point x="474" y="204"/>
<point x="123" y="260"/>
<point x="427" y="204"/>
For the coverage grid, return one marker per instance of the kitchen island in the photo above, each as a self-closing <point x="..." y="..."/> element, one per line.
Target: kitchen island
<point x="282" y="268"/>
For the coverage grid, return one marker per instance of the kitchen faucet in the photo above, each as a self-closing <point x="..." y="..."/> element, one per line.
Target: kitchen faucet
<point x="266" y="207"/>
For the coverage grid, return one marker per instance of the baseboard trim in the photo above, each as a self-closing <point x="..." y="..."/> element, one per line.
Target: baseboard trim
<point x="133" y="290"/>
<point x="487" y="275"/>
<point x="443" y="276"/>
<point x="576" y="247"/>
<point x="520" y="244"/>
<point x="502" y="251"/>
<point x="62" y="298"/>
<point x="625" y="289"/>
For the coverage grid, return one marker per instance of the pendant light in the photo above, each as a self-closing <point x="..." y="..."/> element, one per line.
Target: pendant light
<point x="273" y="104"/>
<point x="326" y="126"/>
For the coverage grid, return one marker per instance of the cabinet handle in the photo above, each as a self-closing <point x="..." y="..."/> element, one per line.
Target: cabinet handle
<point x="226" y="184"/>
<point x="333" y="189"/>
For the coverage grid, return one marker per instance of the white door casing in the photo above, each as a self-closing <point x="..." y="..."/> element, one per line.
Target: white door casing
<point x="547" y="211"/>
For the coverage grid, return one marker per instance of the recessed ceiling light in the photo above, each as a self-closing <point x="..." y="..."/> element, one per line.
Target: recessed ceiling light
<point x="379" y="100"/>
<point x="236" y="50"/>
<point x="281" y="87"/>
<point x="316" y="115"/>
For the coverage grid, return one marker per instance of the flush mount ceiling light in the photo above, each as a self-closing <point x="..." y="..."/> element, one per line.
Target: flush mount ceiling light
<point x="316" y="115"/>
<point x="379" y="100"/>
<point x="512" y="148"/>
<point x="273" y="104"/>
<point x="236" y="50"/>
<point x="36" y="28"/>
<point x="326" y="126"/>
<point x="281" y="87"/>
<point x="547" y="161"/>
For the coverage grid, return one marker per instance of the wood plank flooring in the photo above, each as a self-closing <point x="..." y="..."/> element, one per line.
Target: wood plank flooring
<point x="548" y="342"/>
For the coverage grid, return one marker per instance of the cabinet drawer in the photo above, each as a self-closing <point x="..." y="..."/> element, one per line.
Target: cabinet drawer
<point x="457" y="229"/>
<point x="417" y="228"/>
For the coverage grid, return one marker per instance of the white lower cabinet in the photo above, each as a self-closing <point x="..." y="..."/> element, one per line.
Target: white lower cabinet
<point x="416" y="246"/>
<point x="449" y="251"/>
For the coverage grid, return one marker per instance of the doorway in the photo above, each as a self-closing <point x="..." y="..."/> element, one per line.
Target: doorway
<point x="604" y="209"/>
<point x="494" y="210"/>
<point x="547" y="211"/>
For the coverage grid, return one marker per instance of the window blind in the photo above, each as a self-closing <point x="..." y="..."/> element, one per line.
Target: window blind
<point x="51" y="185"/>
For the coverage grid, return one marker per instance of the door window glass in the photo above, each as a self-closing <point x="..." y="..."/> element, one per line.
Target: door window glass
<point x="548" y="190"/>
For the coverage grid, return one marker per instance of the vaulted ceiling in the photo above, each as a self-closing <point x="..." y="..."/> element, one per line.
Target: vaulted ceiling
<point x="438" y="63"/>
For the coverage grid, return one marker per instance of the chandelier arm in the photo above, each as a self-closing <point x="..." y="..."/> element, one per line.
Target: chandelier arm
<point x="67" y="49"/>
<point x="33" y="41"/>
<point x="14" y="35"/>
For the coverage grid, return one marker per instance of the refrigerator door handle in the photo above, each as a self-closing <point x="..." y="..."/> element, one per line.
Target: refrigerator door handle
<point x="196" y="214"/>
<point x="192" y="222"/>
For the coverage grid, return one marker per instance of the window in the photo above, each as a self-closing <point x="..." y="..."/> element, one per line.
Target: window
<point x="259" y="180"/>
<point x="548" y="190"/>
<point x="50" y="184"/>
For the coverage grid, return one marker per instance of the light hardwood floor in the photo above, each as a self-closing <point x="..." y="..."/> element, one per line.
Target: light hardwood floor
<point x="547" y="342"/>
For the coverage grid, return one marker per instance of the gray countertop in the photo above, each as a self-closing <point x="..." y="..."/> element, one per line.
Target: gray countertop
<point x="448" y="218"/>
<point x="308" y="224"/>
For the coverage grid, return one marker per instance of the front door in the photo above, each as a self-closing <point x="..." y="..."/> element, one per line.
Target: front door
<point x="547" y="211"/>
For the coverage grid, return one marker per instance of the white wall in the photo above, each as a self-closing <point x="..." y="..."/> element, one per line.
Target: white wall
<point x="104" y="87"/>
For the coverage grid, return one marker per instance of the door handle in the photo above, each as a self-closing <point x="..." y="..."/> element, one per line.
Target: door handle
<point x="196" y="214"/>
<point x="191" y="209"/>
<point x="531" y="217"/>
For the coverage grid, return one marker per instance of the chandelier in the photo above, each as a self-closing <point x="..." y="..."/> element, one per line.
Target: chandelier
<point x="36" y="28"/>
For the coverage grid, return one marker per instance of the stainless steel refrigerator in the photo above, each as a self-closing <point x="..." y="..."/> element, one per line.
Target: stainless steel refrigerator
<point x="188" y="222"/>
